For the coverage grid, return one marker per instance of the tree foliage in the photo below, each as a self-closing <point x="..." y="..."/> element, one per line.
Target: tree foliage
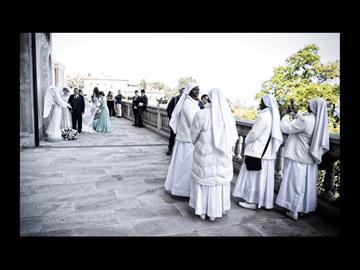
<point x="304" y="77"/>
<point x="183" y="82"/>
<point x="75" y="81"/>
<point x="142" y="84"/>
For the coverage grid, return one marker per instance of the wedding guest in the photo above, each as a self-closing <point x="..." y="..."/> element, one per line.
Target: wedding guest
<point x="203" y="101"/>
<point x="214" y="134"/>
<point x="178" y="180"/>
<point x="308" y="140"/>
<point x="103" y="124"/>
<point x="169" y="110"/>
<point x="118" y="99"/>
<point x="256" y="187"/>
<point x="143" y="102"/>
<point x="135" y="107"/>
<point x="111" y="104"/>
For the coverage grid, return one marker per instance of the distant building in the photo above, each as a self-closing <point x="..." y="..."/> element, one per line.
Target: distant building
<point x="104" y="84"/>
<point x="108" y="83"/>
<point x="59" y="74"/>
<point x="152" y="94"/>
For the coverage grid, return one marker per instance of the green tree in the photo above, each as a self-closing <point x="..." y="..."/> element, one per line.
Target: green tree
<point x="75" y="81"/>
<point x="160" y="86"/>
<point x="183" y="82"/>
<point x="142" y="84"/>
<point x="303" y="78"/>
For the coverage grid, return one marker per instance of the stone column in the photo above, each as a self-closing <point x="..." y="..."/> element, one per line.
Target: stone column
<point x="237" y="149"/>
<point x="242" y="139"/>
<point x="328" y="184"/>
<point x="158" y="119"/>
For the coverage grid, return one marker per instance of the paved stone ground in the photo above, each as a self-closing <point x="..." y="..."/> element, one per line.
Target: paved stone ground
<point x="112" y="185"/>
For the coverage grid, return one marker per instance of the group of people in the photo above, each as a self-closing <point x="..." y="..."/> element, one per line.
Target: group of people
<point x="202" y="140"/>
<point x="201" y="163"/>
<point x="114" y="104"/>
<point x="66" y="111"/>
<point x="170" y="108"/>
<point x="139" y="105"/>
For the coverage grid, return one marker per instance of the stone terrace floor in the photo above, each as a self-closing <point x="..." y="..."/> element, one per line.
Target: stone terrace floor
<point x="112" y="185"/>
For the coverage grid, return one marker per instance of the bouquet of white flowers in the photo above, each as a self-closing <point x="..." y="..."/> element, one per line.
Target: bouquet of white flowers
<point x="69" y="134"/>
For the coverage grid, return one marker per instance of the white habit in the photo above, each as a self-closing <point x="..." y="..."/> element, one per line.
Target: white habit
<point x="258" y="186"/>
<point x="54" y="100"/>
<point x="308" y="140"/>
<point x="213" y="132"/>
<point x="178" y="180"/>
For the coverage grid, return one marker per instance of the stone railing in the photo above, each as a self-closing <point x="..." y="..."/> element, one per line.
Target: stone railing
<point x="155" y="118"/>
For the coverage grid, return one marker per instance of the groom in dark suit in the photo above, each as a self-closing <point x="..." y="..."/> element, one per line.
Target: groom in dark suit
<point x="78" y="107"/>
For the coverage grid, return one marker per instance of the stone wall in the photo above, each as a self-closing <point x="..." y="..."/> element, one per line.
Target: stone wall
<point x="27" y="136"/>
<point x="43" y="63"/>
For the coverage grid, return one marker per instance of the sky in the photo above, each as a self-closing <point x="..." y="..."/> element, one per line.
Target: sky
<point x="238" y="63"/>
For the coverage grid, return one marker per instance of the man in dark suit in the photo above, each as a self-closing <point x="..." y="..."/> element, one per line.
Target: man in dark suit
<point x="170" y="109"/>
<point x="135" y="107"/>
<point x="143" y="102"/>
<point x="78" y="107"/>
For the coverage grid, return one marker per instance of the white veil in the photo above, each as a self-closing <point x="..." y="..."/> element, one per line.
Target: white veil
<point x="49" y="101"/>
<point x="276" y="134"/>
<point x="320" y="139"/>
<point x="176" y="112"/>
<point x="223" y="122"/>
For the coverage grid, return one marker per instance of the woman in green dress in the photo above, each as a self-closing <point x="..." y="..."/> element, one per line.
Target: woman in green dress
<point x="102" y="123"/>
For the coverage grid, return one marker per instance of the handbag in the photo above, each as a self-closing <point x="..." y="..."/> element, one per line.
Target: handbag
<point x="254" y="163"/>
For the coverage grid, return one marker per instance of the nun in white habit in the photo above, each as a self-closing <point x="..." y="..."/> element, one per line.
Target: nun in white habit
<point x="214" y="134"/>
<point x="257" y="187"/>
<point x="308" y="140"/>
<point x="53" y="105"/>
<point x="178" y="179"/>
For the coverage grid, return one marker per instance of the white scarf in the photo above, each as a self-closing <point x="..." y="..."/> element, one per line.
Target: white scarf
<point x="176" y="112"/>
<point x="276" y="134"/>
<point x="320" y="139"/>
<point x="223" y="122"/>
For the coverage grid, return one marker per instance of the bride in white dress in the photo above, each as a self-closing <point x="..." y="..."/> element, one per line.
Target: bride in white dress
<point x="88" y="118"/>
<point x="66" y="121"/>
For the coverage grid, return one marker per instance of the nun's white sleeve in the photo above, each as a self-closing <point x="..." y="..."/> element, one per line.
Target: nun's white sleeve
<point x="195" y="129"/>
<point x="256" y="129"/>
<point x="58" y="100"/>
<point x="291" y="127"/>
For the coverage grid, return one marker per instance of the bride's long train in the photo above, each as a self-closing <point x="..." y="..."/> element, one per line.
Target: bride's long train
<point x="88" y="118"/>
